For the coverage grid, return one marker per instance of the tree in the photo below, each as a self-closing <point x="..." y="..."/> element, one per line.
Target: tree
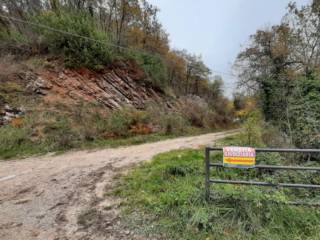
<point x="196" y="72"/>
<point x="277" y="60"/>
<point x="130" y="24"/>
<point x="305" y="30"/>
<point x="176" y="70"/>
<point x="215" y="89"/>
<point x="305" y="112"/>
<point x="266" y="67"/>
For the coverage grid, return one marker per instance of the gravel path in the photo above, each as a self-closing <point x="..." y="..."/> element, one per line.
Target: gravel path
<point x="63" y="197"/>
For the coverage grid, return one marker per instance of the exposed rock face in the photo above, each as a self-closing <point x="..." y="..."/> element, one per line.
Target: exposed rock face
<point x="115" y="87"/>
<point x="122" y="84"/>
<point x="39" y="86"/>
<point x="8" y="114"/>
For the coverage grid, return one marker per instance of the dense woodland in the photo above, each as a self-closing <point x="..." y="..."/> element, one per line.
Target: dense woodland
<point x="101" y="35"/>
<point x="280" y="67"/>
<point x="127" y="29"/>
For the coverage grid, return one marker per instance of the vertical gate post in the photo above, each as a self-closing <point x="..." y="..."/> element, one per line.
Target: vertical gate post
<point x="207" y="173"/>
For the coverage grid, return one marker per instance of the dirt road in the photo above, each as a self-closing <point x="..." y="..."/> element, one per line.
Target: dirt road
<point x="63" y="197"/>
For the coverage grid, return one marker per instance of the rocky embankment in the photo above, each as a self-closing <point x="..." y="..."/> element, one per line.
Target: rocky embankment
<point x="7" y="114"/>
<point x="119" y="85"/>
<point x="122" y="84"/>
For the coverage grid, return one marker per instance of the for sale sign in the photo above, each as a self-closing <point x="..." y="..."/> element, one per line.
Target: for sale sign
<point x="239" y="157"/>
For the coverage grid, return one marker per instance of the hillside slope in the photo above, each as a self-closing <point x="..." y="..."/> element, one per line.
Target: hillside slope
<point x="120" y="85"/>
<point x="47" y="107"/>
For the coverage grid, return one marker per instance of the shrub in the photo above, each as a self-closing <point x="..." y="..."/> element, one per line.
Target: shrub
<point x="202" y="115"/>
<point x="18" y="141"/>
<point x="76" y="50"/>
<point x="195" y="110"/>
<point x="11" y="139"/>
<point x="174" y="123"/>
<point x="154" y="67"/>
<point x="305" y="112"/>
<point x="252" y="134"/>
<point x="140" y="129"/>
<point x="272" y="136"/>
<point x="212" y="120"/>
<point x="59" y="135"/>
<point x="121" y="121"/>
<point x="12" y="36"/>
<point x="89" y="122"/>
<point x="168" y="121"/>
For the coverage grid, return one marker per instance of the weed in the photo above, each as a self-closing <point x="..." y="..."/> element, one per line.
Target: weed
<point x="61" y="127"/>
<point x="121" y="121"/>
<point x="166" y="197"/>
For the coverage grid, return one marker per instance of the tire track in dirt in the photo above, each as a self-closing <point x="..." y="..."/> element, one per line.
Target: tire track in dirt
<point x="62" y="197"/>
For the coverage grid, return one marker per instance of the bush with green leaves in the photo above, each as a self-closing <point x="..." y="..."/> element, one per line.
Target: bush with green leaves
<point x="154" y="66"/>
<point x="174" y="123"/>
<point x="77" y="51"/>
<point x="252" y="134"/>
<point x="305" y="112"/>
<point x="169" y="122"/>
<point x="13" y="140"/>
<point x="40" y="132"/>
<point x="12" y="36"/>
<point x="121" y="121"/>
<point x="59" y="135"/>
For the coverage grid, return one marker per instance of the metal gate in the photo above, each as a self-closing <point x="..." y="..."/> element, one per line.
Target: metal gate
<point x="209" y="165"/>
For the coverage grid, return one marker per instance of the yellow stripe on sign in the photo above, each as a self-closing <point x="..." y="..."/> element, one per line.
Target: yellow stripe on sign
<point x="239" y="157"/>
<point x="239" y="160"/>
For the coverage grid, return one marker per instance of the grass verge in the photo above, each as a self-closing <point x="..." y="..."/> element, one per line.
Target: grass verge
<point x="15" y="144"/>
<point x="165" y="198"/>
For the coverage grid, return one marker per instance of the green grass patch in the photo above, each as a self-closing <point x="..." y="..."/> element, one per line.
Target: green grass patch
<point x="165" y="198"/>
<point x="60" y="129"/>
<point x="18" y="142"/>
<point x="15" y="144"/>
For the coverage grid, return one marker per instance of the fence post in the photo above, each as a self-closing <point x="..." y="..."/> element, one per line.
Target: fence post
<point x="207" y="173"/>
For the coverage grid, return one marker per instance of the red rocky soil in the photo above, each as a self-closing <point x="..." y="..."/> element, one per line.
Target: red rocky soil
<point x="122" y="84"/>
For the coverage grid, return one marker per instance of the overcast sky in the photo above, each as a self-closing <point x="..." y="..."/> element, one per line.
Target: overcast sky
<point x="216" y="29"/>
